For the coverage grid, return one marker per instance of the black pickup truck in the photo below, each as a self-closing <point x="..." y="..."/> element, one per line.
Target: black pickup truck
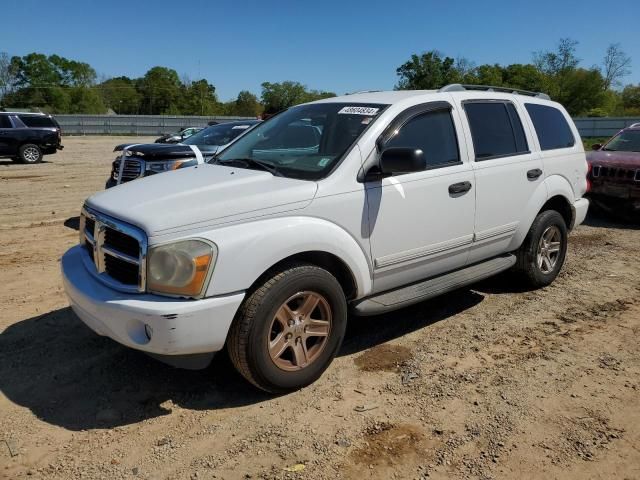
<point x="26" y="137"/>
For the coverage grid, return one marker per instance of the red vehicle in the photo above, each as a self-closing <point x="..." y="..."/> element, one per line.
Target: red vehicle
<point x="614" y="173"/>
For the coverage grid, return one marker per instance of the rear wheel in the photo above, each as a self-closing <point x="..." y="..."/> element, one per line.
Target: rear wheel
<point x="289" y="329"/>
<point x="543" y="251"/>
<point x="30" y="153"/>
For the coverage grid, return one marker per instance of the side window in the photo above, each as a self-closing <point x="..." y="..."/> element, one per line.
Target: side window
<point x="434" y="134"/>
<point x="496" y="130"/>
<point x="5" y="122"/>
<point x="551" y="127"/>
<point x="36" y="121"/>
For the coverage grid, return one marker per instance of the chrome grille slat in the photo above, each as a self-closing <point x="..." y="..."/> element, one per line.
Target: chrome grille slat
<point x="132" y="169"/>
<point x="118" y="269"/>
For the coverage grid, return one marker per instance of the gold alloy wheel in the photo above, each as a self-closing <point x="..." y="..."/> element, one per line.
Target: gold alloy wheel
<point x="299" y="331"/>
<point x="549" y="249"/>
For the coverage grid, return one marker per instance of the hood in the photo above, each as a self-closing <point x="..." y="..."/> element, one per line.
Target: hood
<point x="201" y="196"/>
<point x="629" y="160"/>
<point x="164" y="151"/>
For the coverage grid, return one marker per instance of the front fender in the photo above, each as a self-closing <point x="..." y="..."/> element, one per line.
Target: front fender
<point x="248" y="250"/>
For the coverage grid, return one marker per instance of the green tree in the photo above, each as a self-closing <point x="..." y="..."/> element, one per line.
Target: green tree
<point x="631" y="99"/>
<point x="582" y="91"/>
<point x="120" y="95"/>
<point x="526" y="77"/>
<point x="199" y="98"/>
<point x="85" y="100"/>
<point x="427" y="71"/>
<point x="246" y="105"/>
<point x="280" y="96"/>
<point x="161" y="90"/>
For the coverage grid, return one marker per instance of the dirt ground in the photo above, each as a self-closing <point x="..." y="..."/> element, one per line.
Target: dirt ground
<point x="486" y="382"/>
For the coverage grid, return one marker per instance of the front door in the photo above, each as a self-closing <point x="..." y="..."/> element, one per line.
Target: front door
<point x="421" y="223"/>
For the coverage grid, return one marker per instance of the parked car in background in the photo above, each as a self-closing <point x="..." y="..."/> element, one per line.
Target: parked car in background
<point x="178" y="136"/>
<point x="614" y="174"/>
<point x="27" y="137"/>
<point x="141" y="160"/>
<point x="365" y="203"/>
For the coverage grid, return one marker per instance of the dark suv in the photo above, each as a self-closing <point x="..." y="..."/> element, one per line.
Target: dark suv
<point x="26" y="137"/>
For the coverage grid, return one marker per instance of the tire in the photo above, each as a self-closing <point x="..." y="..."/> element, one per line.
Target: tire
<point x="537" y="272"/>
<point x="30" y="153"/>
<point x="263" y="327"/>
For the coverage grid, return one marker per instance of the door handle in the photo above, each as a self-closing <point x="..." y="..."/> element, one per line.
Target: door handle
<point x="462" y="187"/>
<point x="534" y="174"/>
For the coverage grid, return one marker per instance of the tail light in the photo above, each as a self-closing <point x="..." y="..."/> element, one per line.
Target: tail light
<point x="589" y="168"/>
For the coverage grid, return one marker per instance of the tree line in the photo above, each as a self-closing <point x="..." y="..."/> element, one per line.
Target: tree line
<point x="594" y="91"/>
<point x="59" y="85"/>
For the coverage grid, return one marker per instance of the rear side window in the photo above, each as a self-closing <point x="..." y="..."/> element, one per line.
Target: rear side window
<point x="5" y="122"/>
<point x="551" y="127"/>
<point x="496" y="130"/>
<point x="37" y="121"/>
<point x="434" y="134"/>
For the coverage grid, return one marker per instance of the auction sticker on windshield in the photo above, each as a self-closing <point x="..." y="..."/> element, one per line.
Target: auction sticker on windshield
<point x="358" y="111"/>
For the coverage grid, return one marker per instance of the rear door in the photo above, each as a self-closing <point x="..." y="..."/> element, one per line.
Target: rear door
<point x="507" y="172"/>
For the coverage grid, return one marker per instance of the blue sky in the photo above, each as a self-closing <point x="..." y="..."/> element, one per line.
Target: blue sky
<point x="333" y="45"/>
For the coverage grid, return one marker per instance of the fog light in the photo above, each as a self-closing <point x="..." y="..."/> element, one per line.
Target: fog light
<point x="148" y="331"/>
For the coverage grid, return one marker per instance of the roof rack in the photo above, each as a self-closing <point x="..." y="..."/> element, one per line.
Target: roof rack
<point x="362" y="91"/>
<point x="458" y="87"/>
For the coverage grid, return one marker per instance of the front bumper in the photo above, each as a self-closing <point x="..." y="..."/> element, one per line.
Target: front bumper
<point x="177" y="326"/>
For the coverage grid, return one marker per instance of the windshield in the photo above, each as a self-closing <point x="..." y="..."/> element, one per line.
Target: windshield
<point x="220" y="134"/>
<point x="306" y="141"/>
<point x="627" y="141"/>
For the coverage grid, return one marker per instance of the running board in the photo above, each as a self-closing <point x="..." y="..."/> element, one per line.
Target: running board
<point x="433" y="287"/>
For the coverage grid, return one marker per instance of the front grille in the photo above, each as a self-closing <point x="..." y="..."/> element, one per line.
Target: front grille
<point x="117" y="250"/>
<point x="615" y="172"/>
<point x="121" y="242"/>
<point x="121" y="270"/>
<point x="132" y="169"/>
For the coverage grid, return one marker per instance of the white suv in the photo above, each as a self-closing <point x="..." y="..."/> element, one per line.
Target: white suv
<point x="367" y="202"/>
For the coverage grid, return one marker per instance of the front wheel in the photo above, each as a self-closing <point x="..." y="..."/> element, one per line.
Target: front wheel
<point x="30" y="153"/>
<point x="289" y="329"/>
<point x="543" y="251"/>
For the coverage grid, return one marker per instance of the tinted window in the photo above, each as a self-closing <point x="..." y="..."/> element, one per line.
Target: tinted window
<point x="5" y="122"/>
<point x="551" y="127"/>
<point x="496" y="129"/>
<point x="434" y="134"/>
<point x="36" y="121"/>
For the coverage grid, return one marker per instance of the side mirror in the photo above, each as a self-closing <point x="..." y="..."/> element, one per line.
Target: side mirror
<point x="402" y="160"/>
<point x="596" y="146"/>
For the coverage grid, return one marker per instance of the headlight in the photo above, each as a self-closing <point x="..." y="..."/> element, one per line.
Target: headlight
<point x="180" y="268"/>
<point x="165" y="166"/>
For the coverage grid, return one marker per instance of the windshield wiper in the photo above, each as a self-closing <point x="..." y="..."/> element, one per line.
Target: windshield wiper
<point x="272" y="169"/>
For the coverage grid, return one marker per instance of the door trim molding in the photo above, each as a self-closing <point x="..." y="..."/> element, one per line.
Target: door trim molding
<point x="423" y="252"/>
<point x="496" y="232"/>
